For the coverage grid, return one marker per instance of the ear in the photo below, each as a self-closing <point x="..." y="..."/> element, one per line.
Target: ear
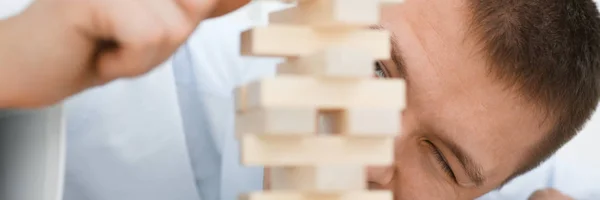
<point x="227" y="6"/>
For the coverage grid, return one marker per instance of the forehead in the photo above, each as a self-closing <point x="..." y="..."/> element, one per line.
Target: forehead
<point x="450" y="88"/>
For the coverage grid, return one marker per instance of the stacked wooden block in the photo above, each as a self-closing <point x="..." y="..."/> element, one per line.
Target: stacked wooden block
<point x="328" y="73"/>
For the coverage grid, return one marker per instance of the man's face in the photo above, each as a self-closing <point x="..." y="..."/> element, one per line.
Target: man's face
<point x="463" y="132"/>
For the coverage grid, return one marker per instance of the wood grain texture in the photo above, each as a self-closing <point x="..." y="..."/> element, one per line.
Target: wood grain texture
<point x="276" y="150"/>
<point x="289" y="195"/>
<point x="304" y="91"/>
<point x="277" y="121"/>
<point x="297" y="41"/>
<point x="319" y="178"/>
<point x="332" y="63"/>
<point x="330" y="14"/>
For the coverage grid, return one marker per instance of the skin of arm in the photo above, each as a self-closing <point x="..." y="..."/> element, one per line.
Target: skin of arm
<point x="7" y="93"/>
<point x="42" y="60"/>
<point x="56" y="48"/>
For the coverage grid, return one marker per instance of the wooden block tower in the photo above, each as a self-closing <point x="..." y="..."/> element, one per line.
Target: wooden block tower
<point x="324" y="118"/>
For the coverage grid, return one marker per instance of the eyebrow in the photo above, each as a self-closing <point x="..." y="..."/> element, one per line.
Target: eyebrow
<point x="472" y="169"/>
<point x="396" y="52"/>
<point x="398" y="56"/>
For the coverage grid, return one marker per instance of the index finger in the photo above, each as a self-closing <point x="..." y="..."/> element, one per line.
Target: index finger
<point x="198" y="10"/>
<point x="226" y="6"/>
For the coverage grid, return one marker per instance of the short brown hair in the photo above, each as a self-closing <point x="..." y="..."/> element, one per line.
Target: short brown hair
<point x="549" y="50"/>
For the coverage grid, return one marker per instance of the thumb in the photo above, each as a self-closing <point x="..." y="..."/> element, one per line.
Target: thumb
<point x="227" y="6"/>
<point x="198" y="10"/>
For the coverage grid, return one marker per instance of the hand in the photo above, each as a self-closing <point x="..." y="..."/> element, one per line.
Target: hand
<point x="138" y="35"/>
<point x="226" y="6"/>
<point x="549" y="194"/>
<point x="61" y="47"/>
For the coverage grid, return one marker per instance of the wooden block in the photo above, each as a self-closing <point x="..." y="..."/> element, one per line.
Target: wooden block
<point x="298" y="41"/>
<point x="307" y="1"/>
<point x="366" y="122"/>
<point x="321" y="178"/>
<point x="277" y="150"/>
<point x="303" y="91"/>
<point x="285" y="121"/>
<point x="290" y="195"/>
<point x="332" y="62"/>
<point x="330" y="14"/>
<point x="391" y="1"/>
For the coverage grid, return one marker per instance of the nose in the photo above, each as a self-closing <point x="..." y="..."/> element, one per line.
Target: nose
<point x="380" y="178"/>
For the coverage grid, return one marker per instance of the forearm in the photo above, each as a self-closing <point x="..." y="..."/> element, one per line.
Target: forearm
<point x="43" y="58"/>
<point x="9" y="62"/>
<point x="28" y="57"/>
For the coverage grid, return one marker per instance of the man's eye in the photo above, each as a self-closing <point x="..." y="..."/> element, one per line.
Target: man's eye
<point x="380" y="70"/>
<point x="441" y="160"/>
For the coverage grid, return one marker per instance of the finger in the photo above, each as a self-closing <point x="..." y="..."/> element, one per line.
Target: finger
<point x="136" y="36"/>
<point x="174" y="23"/>
<point x="226" y="6"/>
<point x="535" y="195"/>
<point x="198" y="10"/>
<point x="544" y="194"/>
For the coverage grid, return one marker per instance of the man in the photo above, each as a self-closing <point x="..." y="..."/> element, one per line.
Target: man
<point x="494" y="88"/>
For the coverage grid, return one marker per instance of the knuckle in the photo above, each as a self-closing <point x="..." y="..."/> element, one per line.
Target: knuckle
<point x="156" y="36"/>
<point x="148" y="38"/>
<point x="134" y="68"/>
<point x="134" y="71"/>
<point x="177" y="29"/>
<point x="138" y="68"/>
<point x="545" y="194"/>
<point x="179" y="32"/>
<point x="128" y="69"/>
<point x="537" y="195"/>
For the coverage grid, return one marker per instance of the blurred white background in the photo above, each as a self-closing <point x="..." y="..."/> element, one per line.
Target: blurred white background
<point x="577" y="165"/>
